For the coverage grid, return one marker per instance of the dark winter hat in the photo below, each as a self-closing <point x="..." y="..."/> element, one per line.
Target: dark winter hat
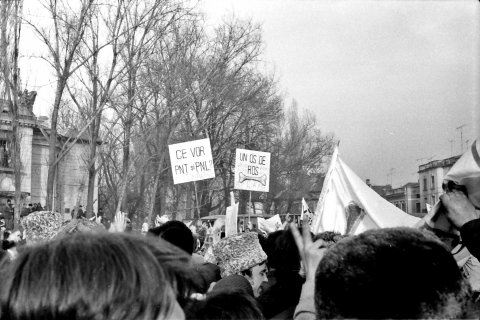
<point x="234" y="282"/>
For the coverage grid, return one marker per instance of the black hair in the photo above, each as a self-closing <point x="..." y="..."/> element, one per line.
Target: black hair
<point x="390" y="273"/>
<point x="227" y="305"/>
<point x="284" y="260"/>
<point x="175" y="232"/>
<point x="92" y="276"/>
<point x="329" y="236"/>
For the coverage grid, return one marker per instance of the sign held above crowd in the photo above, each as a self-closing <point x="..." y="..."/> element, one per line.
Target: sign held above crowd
<point x="252" y="170"/>
<point x="191" y="161"/>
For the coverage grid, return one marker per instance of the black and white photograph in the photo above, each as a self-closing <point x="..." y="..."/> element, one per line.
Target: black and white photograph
<point x="239" y="159"/>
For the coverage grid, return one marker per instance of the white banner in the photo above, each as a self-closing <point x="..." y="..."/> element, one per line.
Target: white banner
<point x="252" y="170"/>
<point x="348" y="206"/>
<point x="191" y="161"/>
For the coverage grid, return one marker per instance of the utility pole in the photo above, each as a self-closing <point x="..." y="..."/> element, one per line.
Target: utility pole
<point x="461" y="136"/>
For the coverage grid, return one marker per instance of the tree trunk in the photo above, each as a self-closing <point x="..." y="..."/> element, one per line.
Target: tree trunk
<point x="151" y="205"/>
<point x="127" y="133"/>
<point x="92" y="168"/>
<point x="52" y="144"/>
<point x="188" y="202"/>
<point x="11" y="88"/>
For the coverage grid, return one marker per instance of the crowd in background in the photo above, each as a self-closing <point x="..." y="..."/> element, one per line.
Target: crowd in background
<point x="80" y="269"/>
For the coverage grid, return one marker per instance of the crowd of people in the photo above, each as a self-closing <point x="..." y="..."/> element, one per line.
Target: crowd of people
<point x="7" y="212"/>
<point x="77" y="269"/>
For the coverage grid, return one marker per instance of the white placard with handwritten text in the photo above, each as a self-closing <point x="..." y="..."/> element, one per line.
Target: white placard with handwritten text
<point x="252" y="170"/>
<point x="191" y="161"/>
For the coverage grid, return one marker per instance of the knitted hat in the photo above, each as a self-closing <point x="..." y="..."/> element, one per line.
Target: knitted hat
<point x="238" y="252"/>
<point x="41" y="225"/>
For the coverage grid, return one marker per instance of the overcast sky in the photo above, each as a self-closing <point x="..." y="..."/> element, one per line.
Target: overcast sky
<point x="391" y="79"/>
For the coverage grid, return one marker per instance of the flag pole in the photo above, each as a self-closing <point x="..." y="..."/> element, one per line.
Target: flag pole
<point x="249" y="204"/>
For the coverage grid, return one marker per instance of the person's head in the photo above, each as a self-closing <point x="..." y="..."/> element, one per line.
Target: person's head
<point x="289" y="218"/>
<point x="92" y="276"/>
<point x="256" y="275"/>
<point x="242" y="254"/>
<point x="282" y="252"/>
<point x="390" y="273"/>
<point x="229" y="305"/>
<point x="233" y="282"/>
<point x="175" y="232"/>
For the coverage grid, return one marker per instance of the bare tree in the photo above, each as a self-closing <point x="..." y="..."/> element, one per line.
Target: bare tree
<point x="10" y="15"/>
<point x="62" y="42"/>
<point x="165" y="82"/>
<point x="235" y="107"/>
<point x="299" y="154"/>
<point x="138" y="43"/>
<point x="94" y="84"/>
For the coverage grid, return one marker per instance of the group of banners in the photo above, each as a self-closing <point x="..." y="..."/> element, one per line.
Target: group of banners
<point x="193" y="161"/>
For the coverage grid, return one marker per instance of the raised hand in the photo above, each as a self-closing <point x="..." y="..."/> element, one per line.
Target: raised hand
<point x="458" y="207"/>
<point x="119" y="223"/>
<point x="311" y="253"/>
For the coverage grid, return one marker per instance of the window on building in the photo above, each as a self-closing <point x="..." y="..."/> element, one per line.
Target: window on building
<point x="433" y="181"/>
<point x="424" y="184"/>
<point x="433" y="199"/>
<point x="417" y="207"/>
<point x="5" y="160"/>
<point x="403" y="206"/>
<point x="418" y="195"/>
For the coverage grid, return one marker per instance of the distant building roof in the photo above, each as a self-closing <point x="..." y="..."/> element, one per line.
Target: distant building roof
<point x="448" y="162"/>
<point x="381" y="190"/>
<point x="401" y="190"/>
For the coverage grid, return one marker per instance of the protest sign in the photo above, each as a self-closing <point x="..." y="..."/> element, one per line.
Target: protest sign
<point x="252" y="170"/>
<point x="270" y="225"/>
<point x="306" y="212"/>
<point x="191" y="161"/>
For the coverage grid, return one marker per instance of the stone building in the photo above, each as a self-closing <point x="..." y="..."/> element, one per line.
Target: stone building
<point x="71" y="177"/>
<point x="431" y="177"/>
<point x="406" y="198"/>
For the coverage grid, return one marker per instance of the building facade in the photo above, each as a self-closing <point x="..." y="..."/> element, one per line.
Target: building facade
<point x="71" y="177"/>
<point x="406" y="198"/>
<point x="430" y="177"/>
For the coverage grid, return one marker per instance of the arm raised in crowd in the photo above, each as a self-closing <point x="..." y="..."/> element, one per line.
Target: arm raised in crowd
<point x="311" y="253"/>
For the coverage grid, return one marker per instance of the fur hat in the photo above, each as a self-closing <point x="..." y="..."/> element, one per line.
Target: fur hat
<point x="238" y="252"/>
<point x="80" y="226"/>
<point x="41" y="225"/>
